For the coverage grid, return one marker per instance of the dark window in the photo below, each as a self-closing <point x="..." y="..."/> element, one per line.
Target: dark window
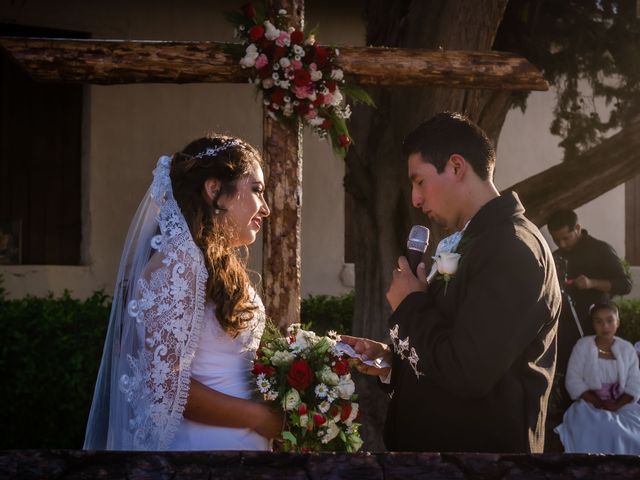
<point x="632" y="221"/>
<point x="40" y="125"/>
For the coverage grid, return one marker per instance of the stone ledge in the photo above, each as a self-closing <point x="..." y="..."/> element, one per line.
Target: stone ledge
<point x="78" y="464"/>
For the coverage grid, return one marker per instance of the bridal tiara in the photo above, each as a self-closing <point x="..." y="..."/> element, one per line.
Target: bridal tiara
<point x="213" y="151"/>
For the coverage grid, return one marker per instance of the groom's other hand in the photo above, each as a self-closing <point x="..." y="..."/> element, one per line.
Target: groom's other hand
<point x="371" y="350"/>
<point x="405" y="282"/>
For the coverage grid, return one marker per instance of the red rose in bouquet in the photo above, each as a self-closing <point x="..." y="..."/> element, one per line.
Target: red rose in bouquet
<point x="256" y="32"/>
<point x="300" y="375"/>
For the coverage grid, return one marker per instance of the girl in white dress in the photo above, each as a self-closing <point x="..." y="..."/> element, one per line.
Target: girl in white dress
<point x="604" y="380"/>
<point x="185" y="322"/>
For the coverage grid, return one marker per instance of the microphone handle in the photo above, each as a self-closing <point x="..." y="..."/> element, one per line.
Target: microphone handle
<point x="414" y="257"/>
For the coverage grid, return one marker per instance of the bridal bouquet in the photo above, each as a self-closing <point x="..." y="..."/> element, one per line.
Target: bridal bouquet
<point x="310" y="378"/>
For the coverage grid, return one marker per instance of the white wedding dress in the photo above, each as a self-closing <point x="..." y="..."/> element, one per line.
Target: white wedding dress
<point x="224" y="364"/>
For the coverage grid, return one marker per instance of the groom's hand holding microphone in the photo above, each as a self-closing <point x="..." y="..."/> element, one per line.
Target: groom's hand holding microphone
<point x="411" y="274"/>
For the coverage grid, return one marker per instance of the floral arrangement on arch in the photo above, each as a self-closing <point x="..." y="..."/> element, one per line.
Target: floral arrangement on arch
<point x="308" y="376"/>
<point x="298" y="78"/>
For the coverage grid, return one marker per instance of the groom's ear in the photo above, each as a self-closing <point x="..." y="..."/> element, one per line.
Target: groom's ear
<point x="458" y="165"/>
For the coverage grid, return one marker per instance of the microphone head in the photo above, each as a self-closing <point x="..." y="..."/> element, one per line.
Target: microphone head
<point x="418" y="238"/>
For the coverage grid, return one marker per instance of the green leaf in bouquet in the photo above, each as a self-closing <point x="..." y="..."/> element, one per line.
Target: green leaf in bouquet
<point x="290" y="437"/>
<point x="357" y="94"/>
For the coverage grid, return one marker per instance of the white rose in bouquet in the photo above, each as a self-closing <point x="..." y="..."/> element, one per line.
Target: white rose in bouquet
<point x="328" y="377"/>
<point x="331" y="432"/>
<point x="291" y="400"/>
<point x="282" y="359"/>
<point x="345" y="387"/>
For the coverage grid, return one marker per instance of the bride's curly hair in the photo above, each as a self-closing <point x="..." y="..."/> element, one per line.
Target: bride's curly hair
<point x="226" y="159"/>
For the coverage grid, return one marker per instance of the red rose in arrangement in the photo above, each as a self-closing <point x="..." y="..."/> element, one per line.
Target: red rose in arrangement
<point x="327" y="124"/>
<point x="319" y="419"/>
<point x="258" y="368"/>
<point x="302" y="408"/>
<point x="277" y="96"/>
<point x="302" y="78"/>
<point x="300" y="375"/>
<point x="331" y="85"/>
<point x="297" y="37"/>
<point x="256" y="32"/>
<point x="342" y="366"/>
<point x="344" y="141"/>
<point x="346" y="411"/>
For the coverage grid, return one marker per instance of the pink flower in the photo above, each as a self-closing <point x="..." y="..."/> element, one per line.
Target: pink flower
<point x="313" y="113"/>
<point x="302" y="92"/>
<point x="261" y="61"/>
<point x="284" y="39"/>
<point x="296" y="64"/>
<point x="328" y="98"/>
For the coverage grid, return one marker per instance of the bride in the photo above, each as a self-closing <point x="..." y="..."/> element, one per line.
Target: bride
<point x="185" y="321"/>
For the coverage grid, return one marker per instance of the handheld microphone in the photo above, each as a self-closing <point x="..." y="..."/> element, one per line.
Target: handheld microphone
<point x="417" y="244"/>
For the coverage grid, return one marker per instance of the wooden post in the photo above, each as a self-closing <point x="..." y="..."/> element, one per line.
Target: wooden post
<point x="283" y="170"/>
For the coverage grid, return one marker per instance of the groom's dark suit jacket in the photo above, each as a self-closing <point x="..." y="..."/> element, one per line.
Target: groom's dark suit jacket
<point x="486" y="344"/>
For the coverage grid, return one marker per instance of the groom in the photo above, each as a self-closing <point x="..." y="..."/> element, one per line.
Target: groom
<point x="473" y="352"/>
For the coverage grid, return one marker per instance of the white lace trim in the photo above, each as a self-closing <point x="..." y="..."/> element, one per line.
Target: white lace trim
<point x="169" y="307"/>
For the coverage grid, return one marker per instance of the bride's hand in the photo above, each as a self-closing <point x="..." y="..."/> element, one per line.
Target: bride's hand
<point x="269" y="421"/>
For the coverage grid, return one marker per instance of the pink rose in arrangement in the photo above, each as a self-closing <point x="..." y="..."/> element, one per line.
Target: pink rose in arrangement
<point x="261" y="61"/>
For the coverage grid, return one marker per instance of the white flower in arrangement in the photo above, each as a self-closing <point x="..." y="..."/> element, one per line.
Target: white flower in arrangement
<point x="337" y="74"/>
<point x="271" y="32"/>
<point x="328" y="377"/>
<point x="352" y="416"/>
<point x="284" y="62"/>
<point x="324" y="406"/>
<point x="282" y="11"/>
<point x="332" y="430"/>
<point x="267" y="83"/>
<point x="271" y="395"/>
<point x="337" y="98"/>
<point x="304" y="419"/>
<point x="281" y="358"/>
<point x="332" y="395"/>
<point x="345" y="387"/>
<point x="285" y="84"/>
<point x="316" y="75"/>
<point x="447" y="263"/>
<point x="275" y="75"/>
<point x="291" y="400"/>
<point x="266" y="101"/>
<point x="249" y="59"/>
<point x="311" y="40"/>
<point x="316" y="122"/>
<point x="263" y="383"/>
<point x="321" y="390"/>
<point x="298" y="51"/>
<point x="304" y="340"/>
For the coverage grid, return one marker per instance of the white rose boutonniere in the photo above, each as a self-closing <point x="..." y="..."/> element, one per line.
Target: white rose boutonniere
<point x="447" y="265"/>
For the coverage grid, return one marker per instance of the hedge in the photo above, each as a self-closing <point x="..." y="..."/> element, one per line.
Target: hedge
<point x="51" y="349"/>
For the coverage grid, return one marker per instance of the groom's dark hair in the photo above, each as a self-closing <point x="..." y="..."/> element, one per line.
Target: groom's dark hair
<point x="449" y="133"/>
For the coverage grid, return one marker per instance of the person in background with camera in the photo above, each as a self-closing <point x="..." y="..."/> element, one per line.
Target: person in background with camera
<point x="590" y="273"/>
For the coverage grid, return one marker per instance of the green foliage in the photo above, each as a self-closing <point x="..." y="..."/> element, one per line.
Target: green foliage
<point x="322" y="313"/>
<point x="49" y="358"/>
<point x="629" y="319"/>
<point x="578" y="43"/>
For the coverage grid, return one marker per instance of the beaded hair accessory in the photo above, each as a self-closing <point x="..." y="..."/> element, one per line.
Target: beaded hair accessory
<point x="213" y="151"/>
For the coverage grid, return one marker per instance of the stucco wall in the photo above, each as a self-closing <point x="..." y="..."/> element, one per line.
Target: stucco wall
<point x="126" y="128"/>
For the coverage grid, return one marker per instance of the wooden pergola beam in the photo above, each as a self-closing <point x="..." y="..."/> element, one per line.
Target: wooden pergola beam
<point x="108" y="62"/>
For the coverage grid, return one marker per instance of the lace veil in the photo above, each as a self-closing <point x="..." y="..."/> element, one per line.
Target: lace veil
<point x="154" y="327"/>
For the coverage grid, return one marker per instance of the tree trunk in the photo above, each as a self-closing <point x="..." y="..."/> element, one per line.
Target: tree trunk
<point x="572" y="184"/>
<point x="377" y="173"/>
